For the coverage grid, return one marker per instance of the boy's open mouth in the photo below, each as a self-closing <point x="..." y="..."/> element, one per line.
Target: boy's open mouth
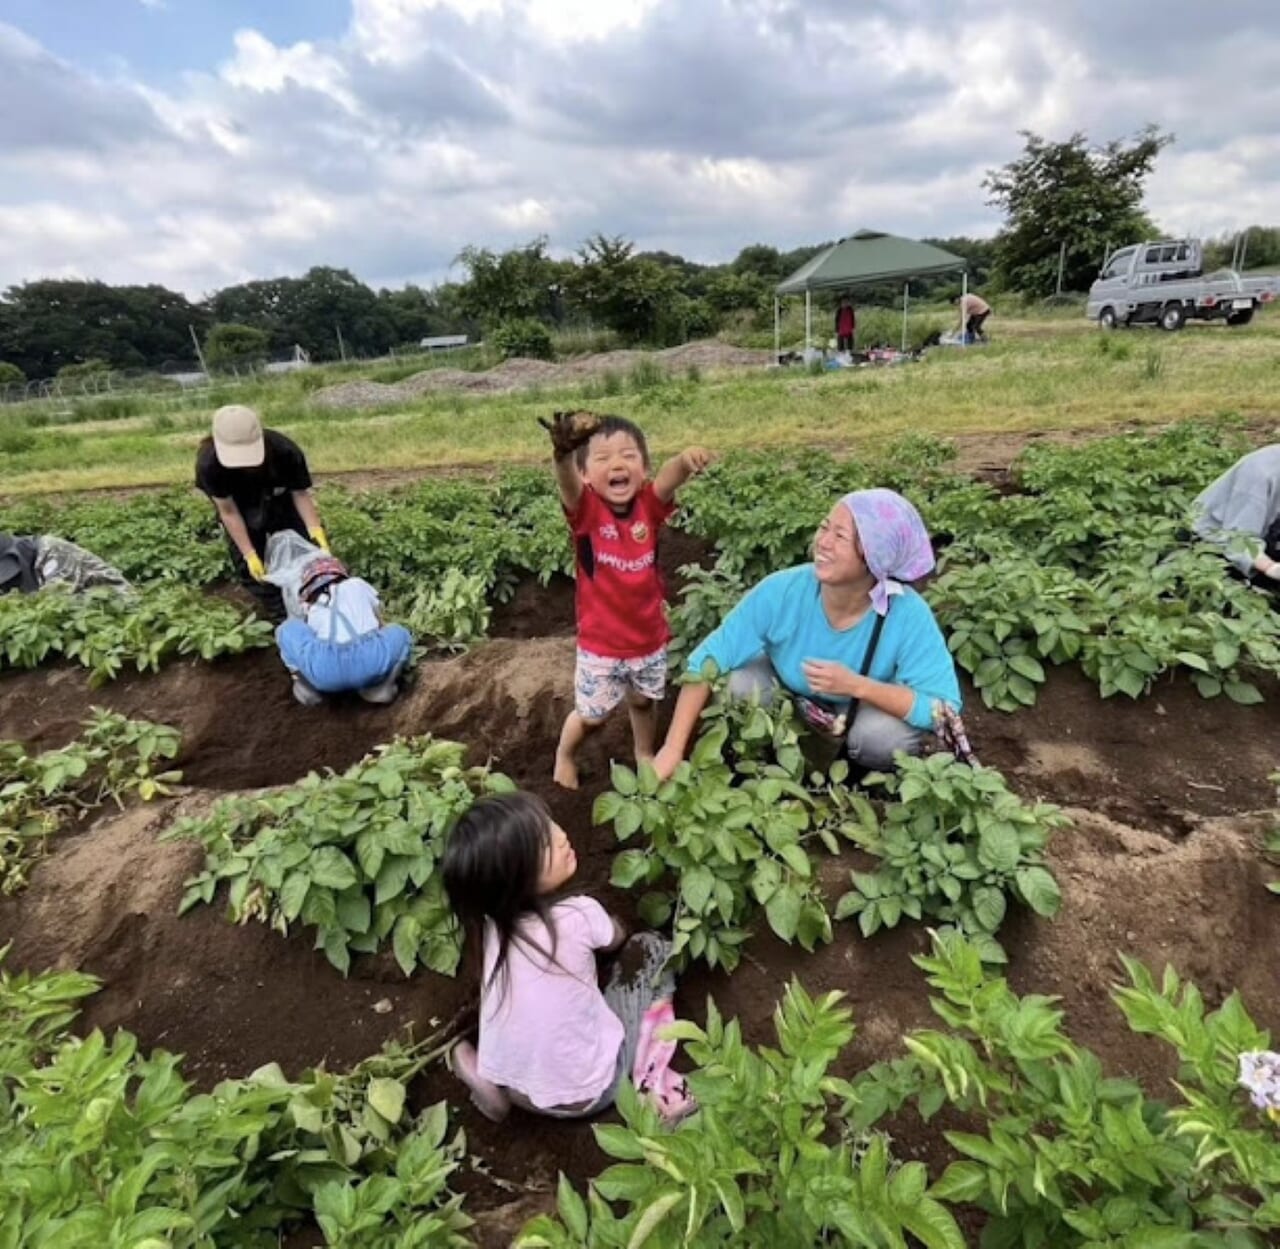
<point x="618" y="481"/>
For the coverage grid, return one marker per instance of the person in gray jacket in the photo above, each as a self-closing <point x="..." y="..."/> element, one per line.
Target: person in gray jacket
<point x="29" y="562"/>
<point x="1241" y="513"/>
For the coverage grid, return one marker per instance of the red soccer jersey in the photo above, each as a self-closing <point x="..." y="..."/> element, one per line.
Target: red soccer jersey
<point x="620" y="607"/>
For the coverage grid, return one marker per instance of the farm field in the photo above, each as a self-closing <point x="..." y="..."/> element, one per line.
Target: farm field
<point x="1108" y="669"/>
<point x="1041" y="373"/>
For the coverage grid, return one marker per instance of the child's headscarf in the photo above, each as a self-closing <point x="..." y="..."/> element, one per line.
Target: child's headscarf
<point x="895" y="542"/>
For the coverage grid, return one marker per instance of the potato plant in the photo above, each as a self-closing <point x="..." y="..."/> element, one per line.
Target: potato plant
<point x="353" y="856"/>
<point x="716" y="852"/>
<point x="1062" y="1154"/>
<point x="42" y="794"/>
<point x="106" y="1146"/>
<point x="107" y="632"/>
<point x="765" y="1161"/>
<point x="954" y="846"/>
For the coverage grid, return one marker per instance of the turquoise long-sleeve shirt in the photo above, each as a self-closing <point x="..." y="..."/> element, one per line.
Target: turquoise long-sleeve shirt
<point x="782" y="618"/>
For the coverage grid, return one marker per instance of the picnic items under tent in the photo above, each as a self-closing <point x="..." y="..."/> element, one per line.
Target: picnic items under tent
<point x="859" y="260"/>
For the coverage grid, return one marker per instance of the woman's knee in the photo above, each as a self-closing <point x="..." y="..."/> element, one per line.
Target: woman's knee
<point x="875" y="737"/>
<point x="753" y="680"/>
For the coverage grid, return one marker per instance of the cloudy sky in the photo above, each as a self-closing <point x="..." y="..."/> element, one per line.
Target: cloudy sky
<point x="199" y="143"/>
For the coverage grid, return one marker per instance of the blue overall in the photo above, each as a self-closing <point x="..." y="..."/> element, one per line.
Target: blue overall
<point x="334" y="667"/>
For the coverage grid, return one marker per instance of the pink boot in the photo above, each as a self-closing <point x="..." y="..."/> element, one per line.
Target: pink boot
<point x="489" y="1099"/>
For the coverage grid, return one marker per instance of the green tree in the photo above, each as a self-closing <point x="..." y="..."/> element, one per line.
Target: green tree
<point x="411" y="314"/>
<point x="226" y="346"/>
<point x="1085" y="196"/>
<point x="309" y="311"/>
<point x="1261" y="245"/>
<point x="760" y="260"/>
<point x="526" y="337"/>
<point x="47" y="324"/>
<point x="627" y="293"/>
<point x="512" y="285"/>
<point x="11" y="375"/>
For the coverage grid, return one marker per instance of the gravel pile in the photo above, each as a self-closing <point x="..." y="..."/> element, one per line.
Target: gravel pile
<point x="520" y="374"/>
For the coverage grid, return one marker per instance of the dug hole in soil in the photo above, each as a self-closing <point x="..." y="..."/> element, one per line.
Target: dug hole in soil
<point x="1169" y="798"/>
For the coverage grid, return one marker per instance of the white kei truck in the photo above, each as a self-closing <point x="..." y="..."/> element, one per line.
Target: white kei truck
<point x="1163" y="283"/>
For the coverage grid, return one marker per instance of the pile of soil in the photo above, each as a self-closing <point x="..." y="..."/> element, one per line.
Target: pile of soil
<point x="522" y="374"/>
<point x="1168" y="798"/>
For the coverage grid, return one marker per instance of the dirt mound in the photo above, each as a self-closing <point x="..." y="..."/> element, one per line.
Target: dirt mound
<point x="230" y="998"/>
<point x="521" y="374"/>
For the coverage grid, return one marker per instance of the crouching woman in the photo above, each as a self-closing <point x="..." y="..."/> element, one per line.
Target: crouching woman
<point x="341" y="643"/>
<point x="858" y="650"/>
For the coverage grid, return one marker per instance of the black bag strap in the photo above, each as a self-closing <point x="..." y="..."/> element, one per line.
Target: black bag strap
<point x="876" y="630"/>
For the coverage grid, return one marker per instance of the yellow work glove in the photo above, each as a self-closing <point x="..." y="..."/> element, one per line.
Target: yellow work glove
<point x="257" y="570"/>
<point x="321" y="539"/>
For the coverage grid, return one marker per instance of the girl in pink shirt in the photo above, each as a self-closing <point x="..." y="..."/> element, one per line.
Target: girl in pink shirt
<point x="550" y="1040"/>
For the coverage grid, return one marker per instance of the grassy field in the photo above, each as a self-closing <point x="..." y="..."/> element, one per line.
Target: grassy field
<point x="1040" y="373"/>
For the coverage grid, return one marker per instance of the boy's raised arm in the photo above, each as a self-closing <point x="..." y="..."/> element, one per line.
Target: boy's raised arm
<point x="678" y="469"/>
<point x="569" y="431"/>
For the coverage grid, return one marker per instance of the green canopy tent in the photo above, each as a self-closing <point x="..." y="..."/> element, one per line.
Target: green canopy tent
<point x="862" y="258"/>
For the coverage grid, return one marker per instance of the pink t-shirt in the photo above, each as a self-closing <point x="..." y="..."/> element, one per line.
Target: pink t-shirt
<point x="545" y="1028"/>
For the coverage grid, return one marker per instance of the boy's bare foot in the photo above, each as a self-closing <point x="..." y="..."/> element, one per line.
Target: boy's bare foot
<point x="566" y="773"/>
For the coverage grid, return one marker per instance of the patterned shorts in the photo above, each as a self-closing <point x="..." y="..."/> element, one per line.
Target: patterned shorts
<point x="601" y="683"/>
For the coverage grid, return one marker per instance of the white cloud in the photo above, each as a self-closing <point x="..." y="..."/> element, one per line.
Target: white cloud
<point x="695" y="126"/>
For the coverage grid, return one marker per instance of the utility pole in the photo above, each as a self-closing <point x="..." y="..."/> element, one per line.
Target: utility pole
<point x="204" y="364"/>
<point x="342" y="347"/>
<point x="1062" y="260"/>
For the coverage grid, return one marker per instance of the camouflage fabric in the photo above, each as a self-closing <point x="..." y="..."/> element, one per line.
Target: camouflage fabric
<point x="61" y="562"/>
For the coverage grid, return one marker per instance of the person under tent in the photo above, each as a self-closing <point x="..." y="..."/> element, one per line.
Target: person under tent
<point x="1240" y="512"/>
<point x="259" y="483"/>
<point x="846" y="324"/>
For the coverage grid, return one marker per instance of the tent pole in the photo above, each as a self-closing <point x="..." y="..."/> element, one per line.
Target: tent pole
<point x="964" y="290"/>
<point x="808" y="323"/>
<point x="906" y="300"/>
<point x="777" y="330"/>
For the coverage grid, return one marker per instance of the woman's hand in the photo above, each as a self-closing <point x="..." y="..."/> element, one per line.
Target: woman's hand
<point x="832" y="679"/>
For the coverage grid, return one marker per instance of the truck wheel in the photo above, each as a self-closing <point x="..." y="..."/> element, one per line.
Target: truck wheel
<point x="1107" y="318"/>
<point x="1241" y="318"/>
<point x="1173" y="317"/>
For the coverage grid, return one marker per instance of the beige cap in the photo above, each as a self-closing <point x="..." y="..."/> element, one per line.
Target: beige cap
<point x="237" y="437"/>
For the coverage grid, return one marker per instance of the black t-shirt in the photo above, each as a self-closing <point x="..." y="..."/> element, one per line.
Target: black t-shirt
<point x="264" y="495"/>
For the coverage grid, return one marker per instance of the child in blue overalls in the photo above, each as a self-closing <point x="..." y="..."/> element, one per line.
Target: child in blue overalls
<point x="343" y="644"/>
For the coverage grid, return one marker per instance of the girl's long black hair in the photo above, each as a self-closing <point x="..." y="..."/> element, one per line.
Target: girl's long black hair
<point x="491" y="868"/>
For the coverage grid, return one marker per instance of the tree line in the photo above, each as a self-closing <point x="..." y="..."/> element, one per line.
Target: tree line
<point x="1065" y="205"/>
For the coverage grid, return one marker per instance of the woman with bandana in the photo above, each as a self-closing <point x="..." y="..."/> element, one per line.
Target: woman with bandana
<point x="858" y="650"/>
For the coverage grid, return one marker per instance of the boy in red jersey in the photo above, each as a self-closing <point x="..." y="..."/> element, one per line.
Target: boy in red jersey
<point x="616" y="514"/>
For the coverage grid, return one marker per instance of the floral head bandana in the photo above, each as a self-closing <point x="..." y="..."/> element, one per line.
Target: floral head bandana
<point x="895" y="542"/>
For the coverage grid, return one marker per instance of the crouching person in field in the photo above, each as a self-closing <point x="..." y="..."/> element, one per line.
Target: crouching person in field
<point x="853" y="644"/>
<point x="340" y="643"/>
<point x="28" y="563"/>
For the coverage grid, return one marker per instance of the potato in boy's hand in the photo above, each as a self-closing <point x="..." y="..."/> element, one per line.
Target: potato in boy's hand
<point x="695" y="460"/>
<point x="569" y="430"/>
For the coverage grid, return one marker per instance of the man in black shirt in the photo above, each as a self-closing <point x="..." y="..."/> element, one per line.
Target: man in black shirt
<point x="260" y="484"/>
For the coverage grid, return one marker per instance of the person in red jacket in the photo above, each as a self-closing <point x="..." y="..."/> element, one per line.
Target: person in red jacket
<point x="616" y="514"/>
<point x="846" y="324"/>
